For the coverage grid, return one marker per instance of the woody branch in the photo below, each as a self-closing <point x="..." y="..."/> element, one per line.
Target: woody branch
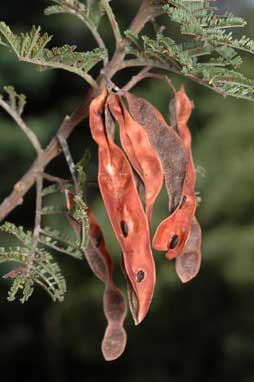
<point x="15" y="198"/>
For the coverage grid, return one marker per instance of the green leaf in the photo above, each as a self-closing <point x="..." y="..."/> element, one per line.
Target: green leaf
<point x="43" y="271"/>
<point x="31" y="47"/>
<point x="15" y="101"/>
<point x="37" y="264"/>
<point x="209" y="55"/>
<point x="60" y="243"/>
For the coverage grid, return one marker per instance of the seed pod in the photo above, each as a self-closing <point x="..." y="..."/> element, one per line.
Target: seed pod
<point x="141" y="155"/>
<point x="99" y="260"/>
<point x="188" y="263"/>
<point x="165" y="142"/>
<point x="125" y="211"/>
<point x="179" y="223"/>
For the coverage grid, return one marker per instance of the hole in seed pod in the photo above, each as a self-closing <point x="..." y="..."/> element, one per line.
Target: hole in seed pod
<point x="97" y="241"/>
<point x="101" y="115"/>
<point x="124" y="228"/>
<point x="183" y="201"/>
<point x="173" y="242"/>
<point x="140" y="276"/>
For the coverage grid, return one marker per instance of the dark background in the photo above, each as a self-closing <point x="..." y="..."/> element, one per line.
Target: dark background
<point x="202" y="331"/>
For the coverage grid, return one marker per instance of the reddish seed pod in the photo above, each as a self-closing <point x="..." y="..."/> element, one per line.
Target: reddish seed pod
<point x="165" y="142"/>
<point x="179" y="223"/>
<point x="125" y="211"/>
<point x="141" y="155"/>
<point x="188" y="263"/>
<point x="99" y="260"/>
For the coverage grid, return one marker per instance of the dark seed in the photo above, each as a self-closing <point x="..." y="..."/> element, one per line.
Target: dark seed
<point x="140" y="276"/>
<point x="124" y="228"/>
<point x="183" y="201"/>
<point x="173" y="242"/>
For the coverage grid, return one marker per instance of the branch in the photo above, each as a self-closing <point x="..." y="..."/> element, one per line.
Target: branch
<point x="55" y="179"/>
<point x="20" y="122"/>
<point x="112" y="20"/>
<point x="52" y="151"/>
<point x="137" y="78"/>
<point x="143" y="62"/>
<point x="37" y="224"/>
<point x="144" y="14"/>
<point x="75" y="10"/>
<point x="143" y="74"/>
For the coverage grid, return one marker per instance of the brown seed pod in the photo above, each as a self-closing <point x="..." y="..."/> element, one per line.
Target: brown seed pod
<point x="125" y="211"/>
<point x="165" y="142"/>
<point x="178" y="224"/>
<point x="188" y="263"/>
<point x="115" y="338"/>
<point x="141" y="155"/>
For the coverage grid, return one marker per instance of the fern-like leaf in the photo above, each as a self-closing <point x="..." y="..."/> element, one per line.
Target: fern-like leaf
<point x="43" y="271"/>
<point x="61" y="243"/>
<point x="209" y="56"/>
<point x="15" y="101"/>
<point x="31" y="47"/>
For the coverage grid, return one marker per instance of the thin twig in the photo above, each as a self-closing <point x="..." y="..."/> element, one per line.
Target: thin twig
<point x="69" y="160"/>
<point x="112" y="20"/>
<point x="137" y="78"/>
<point x="20" y="122"/>
<point x="141" y="76"/>
<point x="142" y="62"/>
<point x="55" y="179"/>
<point x="37" y="224"/>
<point x="90" y="25"/>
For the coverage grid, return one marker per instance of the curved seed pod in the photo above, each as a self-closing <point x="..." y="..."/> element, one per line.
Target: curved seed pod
<point x="173" y="232"/>
<point x="110" y="128"/>
<point x="109" y="121"/>
<point x="165" y="142"/>
<point x="115" y="338"/>
<point x="188" y="263"/>
<point x="141" y="155"/>
<point x="125" y="211"/>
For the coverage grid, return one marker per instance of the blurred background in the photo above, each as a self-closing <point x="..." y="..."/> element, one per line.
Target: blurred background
<point x="201" y="331"/>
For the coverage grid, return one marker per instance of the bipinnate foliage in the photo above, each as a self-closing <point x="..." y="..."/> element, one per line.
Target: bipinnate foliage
<point x="31" y="47"/>
<point x="35" y="264"/>
<point x="204" y="51"/>
<point x="15" y="101"/>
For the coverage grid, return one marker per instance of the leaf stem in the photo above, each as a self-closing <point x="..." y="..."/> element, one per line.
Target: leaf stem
<point x="20" y="122"/>
<point x="90" y="25"/>
<point x="58" y="65"/>
<point x="37" y="224"/>
<point x="112" y="20"/>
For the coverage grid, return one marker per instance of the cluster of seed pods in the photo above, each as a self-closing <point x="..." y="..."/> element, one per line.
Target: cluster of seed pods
<point x="130" y="178"/>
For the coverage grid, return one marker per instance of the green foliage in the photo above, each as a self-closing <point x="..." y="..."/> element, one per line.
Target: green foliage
<point x="209" y="54"/>
<point x="42" y="270"/>
<point x="37" y="264"/>
<point x="15" y="101"/>
<point x="31" y="47"/>
<point x="61" y="243"/>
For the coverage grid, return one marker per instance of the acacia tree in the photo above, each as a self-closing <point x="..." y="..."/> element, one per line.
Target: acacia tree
<point x="204" y="52"/>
